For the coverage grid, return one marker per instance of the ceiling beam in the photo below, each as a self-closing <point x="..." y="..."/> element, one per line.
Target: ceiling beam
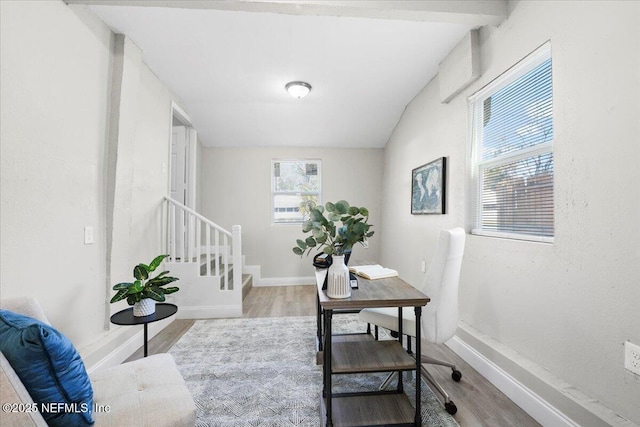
<point x="475" y="13"/>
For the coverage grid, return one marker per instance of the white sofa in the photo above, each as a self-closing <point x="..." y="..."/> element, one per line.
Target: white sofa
<point x="148" y="392"/>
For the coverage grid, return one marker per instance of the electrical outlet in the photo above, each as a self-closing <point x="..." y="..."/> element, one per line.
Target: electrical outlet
<point x="632" y="357"/>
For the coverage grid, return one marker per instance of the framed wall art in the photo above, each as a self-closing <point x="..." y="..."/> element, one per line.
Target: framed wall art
<point x="428" y="188"/>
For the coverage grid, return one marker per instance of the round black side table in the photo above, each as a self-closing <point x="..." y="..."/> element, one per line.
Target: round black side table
<point x="126" y="317"/>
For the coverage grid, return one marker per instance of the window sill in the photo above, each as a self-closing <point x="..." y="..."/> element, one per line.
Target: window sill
<point x="512" y="236"/>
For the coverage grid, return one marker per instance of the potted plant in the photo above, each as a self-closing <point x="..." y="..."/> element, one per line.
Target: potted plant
<point x="144" y="292"/>
<point x="335" y="229"/>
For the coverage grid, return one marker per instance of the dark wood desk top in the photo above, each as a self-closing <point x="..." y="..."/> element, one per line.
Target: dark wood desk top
<point x="389" y="292"/>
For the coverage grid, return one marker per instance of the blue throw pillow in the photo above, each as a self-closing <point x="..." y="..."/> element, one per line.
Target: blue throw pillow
<point x="50" y="369"/>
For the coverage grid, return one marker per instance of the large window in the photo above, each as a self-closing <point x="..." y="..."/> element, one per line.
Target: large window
<point x="512" y="152"/>
<point x="293" y="182"/>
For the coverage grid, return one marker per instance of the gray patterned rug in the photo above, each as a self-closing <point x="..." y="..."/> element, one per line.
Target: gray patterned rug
<point x="262" y="372"/>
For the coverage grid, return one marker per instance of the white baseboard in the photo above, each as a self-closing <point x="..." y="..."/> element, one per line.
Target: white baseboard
<point x="130" y="346"/>
<point x="285" y="281"/>
<point x="135" y="341"/>
<point x="120" y="354"/>
<point x="530" y="402"/>
<point x="258" y="280"/>
<point x="209" y="312"/>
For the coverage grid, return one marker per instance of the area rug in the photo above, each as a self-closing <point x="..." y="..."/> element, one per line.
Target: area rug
<point x="262" y="372"/>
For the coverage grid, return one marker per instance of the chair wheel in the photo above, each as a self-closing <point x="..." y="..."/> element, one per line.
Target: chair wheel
<point x="456" y="375"/>
<point x="451" y="407"/>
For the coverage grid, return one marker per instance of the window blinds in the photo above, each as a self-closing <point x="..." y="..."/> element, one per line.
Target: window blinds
<point x="513" y="152"/>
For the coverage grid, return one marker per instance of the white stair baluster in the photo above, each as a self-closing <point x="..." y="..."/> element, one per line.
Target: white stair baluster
<point x="225" y="257"/>
<point x="209" y="250"/>
<point x="217" y="253"/>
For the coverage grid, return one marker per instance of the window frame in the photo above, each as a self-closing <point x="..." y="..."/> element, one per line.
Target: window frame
<point x="523" y="67"/>
<point x="275" y="193"/>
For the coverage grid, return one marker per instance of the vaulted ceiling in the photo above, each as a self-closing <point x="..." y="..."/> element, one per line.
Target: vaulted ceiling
<point x="228" y="62"/>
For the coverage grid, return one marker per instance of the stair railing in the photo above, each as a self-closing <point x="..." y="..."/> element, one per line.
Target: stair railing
<point x="190" y="237"/>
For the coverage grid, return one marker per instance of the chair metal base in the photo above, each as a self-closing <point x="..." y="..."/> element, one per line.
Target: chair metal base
<point x="455" y="375"/>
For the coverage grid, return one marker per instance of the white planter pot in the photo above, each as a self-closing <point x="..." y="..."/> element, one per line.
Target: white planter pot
<point x="338" y="285"/>
<point x="145" y="307"/>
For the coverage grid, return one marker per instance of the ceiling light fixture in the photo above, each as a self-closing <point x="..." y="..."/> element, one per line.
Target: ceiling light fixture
<point x="298" y="89"/>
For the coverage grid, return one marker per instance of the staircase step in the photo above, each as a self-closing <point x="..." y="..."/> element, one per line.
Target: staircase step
<point x="203" y="266"/>
<point x="247" y="279"/>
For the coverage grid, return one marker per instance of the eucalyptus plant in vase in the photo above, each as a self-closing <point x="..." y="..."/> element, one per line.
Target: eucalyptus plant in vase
<point x="335" y="229"/>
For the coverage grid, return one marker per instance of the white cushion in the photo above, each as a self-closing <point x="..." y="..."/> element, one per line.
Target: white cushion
<point x="25" y="305"/>
<point x="388" y="318"/>
<point x="147" y="392"/>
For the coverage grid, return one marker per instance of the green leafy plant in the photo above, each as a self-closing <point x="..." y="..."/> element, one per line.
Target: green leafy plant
<point x="143" y="286"/>
<point x="334" y="228"/>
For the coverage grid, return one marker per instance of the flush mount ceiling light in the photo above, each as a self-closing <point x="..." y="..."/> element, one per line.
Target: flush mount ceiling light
<point x="298" y="89"/>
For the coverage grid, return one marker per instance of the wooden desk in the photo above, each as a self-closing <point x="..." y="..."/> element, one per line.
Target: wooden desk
<point x="374" y="408"/>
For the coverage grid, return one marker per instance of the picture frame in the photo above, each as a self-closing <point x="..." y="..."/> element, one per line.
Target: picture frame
<point x="429" y="188"/>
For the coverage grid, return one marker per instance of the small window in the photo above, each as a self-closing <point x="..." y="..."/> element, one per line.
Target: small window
<point x="293" y="183"/>
<point x="512" y="152"/>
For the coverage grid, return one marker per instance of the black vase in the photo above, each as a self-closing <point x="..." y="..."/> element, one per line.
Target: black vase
<point x="347" y="255"/>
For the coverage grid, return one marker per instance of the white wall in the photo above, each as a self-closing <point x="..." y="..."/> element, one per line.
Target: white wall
<point x="78" y="149"/>
<point x="566" y="308"/>
<point x="54" y="104"/>
<point x="149" y="182"/>
<point x="237" y="190"/>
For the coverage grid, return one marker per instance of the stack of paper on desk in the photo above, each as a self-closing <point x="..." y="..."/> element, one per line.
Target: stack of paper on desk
<point x="372" y="272"/>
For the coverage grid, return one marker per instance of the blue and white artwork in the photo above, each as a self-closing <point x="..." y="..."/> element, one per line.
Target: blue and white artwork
<point x="428" y="186"/>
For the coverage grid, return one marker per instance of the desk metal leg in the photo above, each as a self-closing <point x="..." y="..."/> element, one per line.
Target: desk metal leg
<point x="328" y="315"/>
<point x="418" y="420"/>
<point x="319" y="322"/>
<point x="145" y="340"/>
<point x="400" y="384"/>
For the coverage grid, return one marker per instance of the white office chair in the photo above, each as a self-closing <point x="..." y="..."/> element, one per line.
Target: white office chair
<point x="440" y="317"/>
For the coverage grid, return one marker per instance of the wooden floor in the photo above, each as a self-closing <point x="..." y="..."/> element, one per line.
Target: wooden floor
<point x="479" y="402"/>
